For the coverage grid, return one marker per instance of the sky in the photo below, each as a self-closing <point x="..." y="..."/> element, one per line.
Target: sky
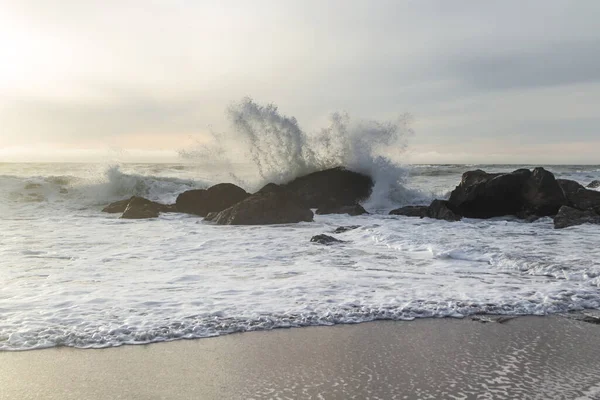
<point x="486" y="82"/>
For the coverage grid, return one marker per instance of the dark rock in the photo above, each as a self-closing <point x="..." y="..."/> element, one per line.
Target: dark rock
<point x="578" y="196"/>
<point x="594" y="184"/>
<point x="569" y="216"/>
<point x="343" y="229"/>
<point x="410" y="211"/>
<point x="353" y="210"/>
<point x="542" y="195"/>
<point x="117" y="206"/>
<point x="140" y="208"/>
<point x="214" y="199"/>
<point x="439" y="209"/>
<point x="520" y="193"/>
<point x="324" y="239"/>
<point x="271" y="187"/>
<point x="332" y="187"/>
<point x="263" y="209"/>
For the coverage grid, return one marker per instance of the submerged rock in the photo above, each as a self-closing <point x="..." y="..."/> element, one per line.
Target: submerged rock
<point x="569" y="216"/>
<point x="331" y="187"/>
<point x="343" y="229"/>
<point x="594" y="184"/>
<point x="214" y="199"/>
<point x="325" y="239"/>
<point x="264" y="209"/>
<point x="578" y="196"/>
<point x="520" y="193"/>
<point x="140" y="208"/>
<point x="353" y="210"/>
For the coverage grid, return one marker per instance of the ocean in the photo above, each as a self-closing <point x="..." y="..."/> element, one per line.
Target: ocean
<point x="71" y="275"/>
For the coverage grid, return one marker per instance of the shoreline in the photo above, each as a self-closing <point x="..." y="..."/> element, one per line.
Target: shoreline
<point x="525" y="357"/>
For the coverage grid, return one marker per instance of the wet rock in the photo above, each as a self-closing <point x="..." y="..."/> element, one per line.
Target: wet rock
<point x="325" y="239"/>
<point x="264" y="209"/>
<point x="410" y="211"/>
<point x="141" y="208"/>
<point x="332" y="187"/>
<point x="569" y="216"/>
<point x="520" y="193"/>
<point x="578" y="196"/>
<point x="214" y="199"/>
<point x="594" y="184"/>
<point x="271" y="187"/>
<point x="343" y="229"/>
<point x="353" y="210"/>
<point x="117" y="206"/>
<point x="440" y="209"/>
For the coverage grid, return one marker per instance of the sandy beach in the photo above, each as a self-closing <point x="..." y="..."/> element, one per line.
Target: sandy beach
<point x="527" y="357"/>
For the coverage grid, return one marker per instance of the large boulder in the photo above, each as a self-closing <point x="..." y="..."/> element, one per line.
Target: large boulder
<point x="521" y="193"/>
<point x="117" y="206"/>
<point x="214" y="199"/>
<point x="140" y="208"/>
<point x="336" y="186"/>
<point x="440" y="209"/>
<point x="410" y="211"/>
<point x="353" y="210"/>
<point x="578" y="196"/>
<point x="569" y="216"/>
<point x="264" y="209"/>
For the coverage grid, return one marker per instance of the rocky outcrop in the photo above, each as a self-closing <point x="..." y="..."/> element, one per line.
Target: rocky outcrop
<point x="263" y="209"/>
<point x="521" y="193"/>
<point x="353" y="210"/>
<point x="332" y="187"/>
<point x="117" y="206"/>
<point x="214" y="199"/>
<point x="411" y="211"/>
<point x="140" y="208"/>
<point x="578" y="196"/>
<point x="594" y="184"/>
<point x="136" y="207"/>
<point x="271" y="187"/>
<point x="569" y="216"/>
<point x="325" y="239"/>
<point x="439" y="209"/>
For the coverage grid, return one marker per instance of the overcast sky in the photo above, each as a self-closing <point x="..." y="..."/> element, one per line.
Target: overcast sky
<point x="503" y="81"/>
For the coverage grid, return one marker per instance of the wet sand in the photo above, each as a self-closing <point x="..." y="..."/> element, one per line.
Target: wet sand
<point x="527" y="357"/>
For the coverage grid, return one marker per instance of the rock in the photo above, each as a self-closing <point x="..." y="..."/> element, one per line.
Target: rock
<point x="324" y="239"/>
<point x="439" y="209"/>
<point x="594" y="184"/>
<point x="343" y="229"/>
<point x="214" y="199"/>
<point x="520" y="193"/>
<point x="271" y="187"/>
<point x="332" y="187"/>
<point x="410" y="211"/>
<point x="117" y="206"/>
<point x="140" y="208"/>
<point x="569" y="216"/>
<point x="353" y="210"/>
<point x="264" y="209"/>
<point x="578" y="196"/>
<point x="542" y="195"/>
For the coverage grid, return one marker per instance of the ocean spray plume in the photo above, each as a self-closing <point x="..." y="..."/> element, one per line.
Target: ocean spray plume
<point x="278" y="150"/>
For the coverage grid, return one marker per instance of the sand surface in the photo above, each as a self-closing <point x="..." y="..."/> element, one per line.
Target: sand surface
<point x="528" y="357"/>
